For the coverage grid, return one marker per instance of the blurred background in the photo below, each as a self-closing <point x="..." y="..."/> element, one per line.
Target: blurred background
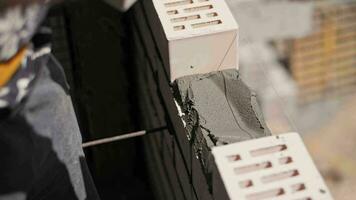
<point x="299" y="56"/>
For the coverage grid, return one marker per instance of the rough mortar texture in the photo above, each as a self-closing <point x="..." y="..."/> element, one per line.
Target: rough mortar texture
<point x="218" y="108"/>
<point x="221" y="105"/>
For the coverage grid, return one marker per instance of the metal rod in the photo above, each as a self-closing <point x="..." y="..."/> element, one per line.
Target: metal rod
<point x="119" y="137"/>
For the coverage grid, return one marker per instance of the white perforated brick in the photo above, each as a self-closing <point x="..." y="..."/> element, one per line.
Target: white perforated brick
<point x="200" y="36"/>
<point x="276" y="167"/>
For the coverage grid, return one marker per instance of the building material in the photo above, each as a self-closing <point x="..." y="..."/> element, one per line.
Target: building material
<point x="197" y="180"/>
<point x="221" y="105"/>
<point x="323" y="62"/>
<point x="217" y="109"/>
<point x="156" y="98"/>
<point x="202" y="110"/>
<point x="277" y="167"/>
<point x="193" y="37"/>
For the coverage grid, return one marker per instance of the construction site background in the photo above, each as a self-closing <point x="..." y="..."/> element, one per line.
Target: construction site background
<point x="300" y="58"/>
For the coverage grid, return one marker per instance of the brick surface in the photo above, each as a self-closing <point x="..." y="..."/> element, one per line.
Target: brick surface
<point x="205" y="29"/>
<point x="277" y="167"/>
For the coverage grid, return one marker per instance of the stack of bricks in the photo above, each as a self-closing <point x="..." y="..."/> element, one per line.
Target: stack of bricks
<point x="324" y="63"/>
<point x="187" y="67"/>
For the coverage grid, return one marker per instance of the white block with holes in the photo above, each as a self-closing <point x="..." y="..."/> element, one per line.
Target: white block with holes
<point x="200" y="36"/>
<point x="275" y="167"/>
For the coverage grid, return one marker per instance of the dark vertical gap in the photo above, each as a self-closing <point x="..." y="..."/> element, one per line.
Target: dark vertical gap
<point x="99" y="66"/>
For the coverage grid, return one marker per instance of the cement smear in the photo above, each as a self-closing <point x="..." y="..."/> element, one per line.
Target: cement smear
<point x="217" y="109"/>
<point x="221" y="106"/>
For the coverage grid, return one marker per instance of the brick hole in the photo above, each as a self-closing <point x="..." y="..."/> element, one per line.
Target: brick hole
<point x="268" y="150"/>
<point x="246" y="184"/>
<point x="252" y="168"/>
<point x="266" y="194"/>
<point x="179" y="28"/>
<point x="205" y="24"/>
<point x="279" y="176"/>
<point x="172" y="12"/>
<point x="285" y="160"/>
<point x="178" y="3"/>
<point x="298" y="187"/>
<point x="186" y="18"/>
<point x="198" y="8"/>
<point x="234" y="158"/>
<point x="213" y="14"/>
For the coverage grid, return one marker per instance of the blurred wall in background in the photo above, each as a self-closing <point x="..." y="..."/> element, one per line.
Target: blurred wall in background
<point x="300" y="58"/>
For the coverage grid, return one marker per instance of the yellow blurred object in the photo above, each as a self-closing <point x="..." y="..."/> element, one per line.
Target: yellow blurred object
<point x="9" y="68"/>
<point x="329" y="38"/>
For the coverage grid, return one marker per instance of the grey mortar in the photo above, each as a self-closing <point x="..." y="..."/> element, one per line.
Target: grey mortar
<point x="222" y="105"/>
<point x="218" y="109"/>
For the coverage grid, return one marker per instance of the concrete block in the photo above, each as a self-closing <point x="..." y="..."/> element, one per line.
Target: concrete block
<point x="199" y="179"/>
<point x="168" y="142"/>
<point x="193" y="36"/>
<point x="168" y="160"/>
<point x="157" y="171"/>
<point x="182" y="172"/>
<point x="277" y="167"/>
<point x="147" y="43"/>
<point x="174" y="121"/>
<point x="160" y="76"/>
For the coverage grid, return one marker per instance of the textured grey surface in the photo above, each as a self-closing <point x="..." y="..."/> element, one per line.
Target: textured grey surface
<point x="222" y="106"/>
<point x="217" y="109"/>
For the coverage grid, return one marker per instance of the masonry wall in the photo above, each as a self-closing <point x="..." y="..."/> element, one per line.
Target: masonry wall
<point x="323" y="63"/>
<point x="120" y="84"/>
<point x="179" y="159"/>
